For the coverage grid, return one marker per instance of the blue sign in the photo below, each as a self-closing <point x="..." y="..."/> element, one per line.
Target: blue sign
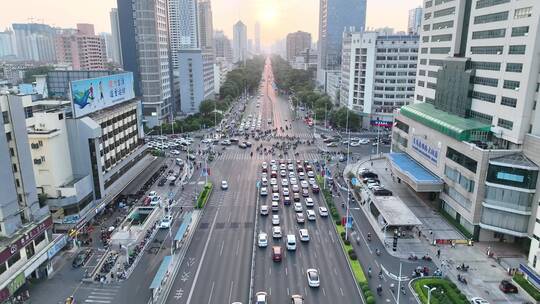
<point x="94" y="94"/>
<point x="420" y="146"/>
<point x="258" y="184"/>
<point x="62" y="241"/>
<point x="354" y="181"/>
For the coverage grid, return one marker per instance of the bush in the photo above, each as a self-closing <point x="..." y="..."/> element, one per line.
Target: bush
<point x="353" y="256"/>
<point x="204" y="196"/>
<point x="347" y="242"/>
<point x="350" y="251"/>
<point x="342" y="234"/>
<point x="338" y="223"/>
<point x="445" y="293"/>
<point x="370" y="300"/>
<point x="527" y="286"/>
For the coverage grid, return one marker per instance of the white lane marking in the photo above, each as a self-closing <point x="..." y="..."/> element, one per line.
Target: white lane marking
<point x="229" y="220"/>
<point x="237" y="248"/>
<point x="230" y="292"/>
<point x="285" y="271"/>
<point x="221" y="250"/>
<point x="203" y="255"/>
<point x="288" y="293"/>
<point x="341" y="290"/>
<point x="103" y="293"/>
<point x="324" y="292"/>
<point x="335" y="271"/>
<point x="270" y="290"/>
<point x="96" y="301"/>
<point x="100" y="297"/>
<point x="211" y="292"/>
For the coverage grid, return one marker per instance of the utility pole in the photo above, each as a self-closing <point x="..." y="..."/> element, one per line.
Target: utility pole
<point x="399" y="284"/>
<point x="347" y="164"/>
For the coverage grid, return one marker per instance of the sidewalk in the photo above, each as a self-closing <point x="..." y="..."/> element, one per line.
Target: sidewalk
<point x="484" y="274"/>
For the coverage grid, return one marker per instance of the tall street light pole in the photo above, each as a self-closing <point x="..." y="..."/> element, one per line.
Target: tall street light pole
<point x="429" y="292"/>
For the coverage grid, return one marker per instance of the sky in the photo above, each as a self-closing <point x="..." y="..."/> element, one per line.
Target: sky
<point x="277" y="17"/>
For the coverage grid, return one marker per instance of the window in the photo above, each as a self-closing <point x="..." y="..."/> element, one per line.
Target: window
<point x="422" y="72"/>
<point x="513" y="177"/>
<point x="485" y="65"/>
<point x="487" y="119"/>
<point x="5" y="117"/>
<point x="443" y="25"/>
<point x="402" y="126"/>
<point x="436" y="62"/>
<point x="437" y="2"/>
<point x="15" y="168"/>
<point x="461" y="159"/>
<point x="424" y="50"/>
<point x="14" y="258"/>
<point x="428" y="4"/>
<point x="491" y="18"/>
<point x="3" y="268"/>
<point x="488" y="34"/>
<point x="440" y="50"/>
<point x="514" y="67"/>
<point x="431" y="85"/>
<point x="487" y="50"/>
<point x="421" y="83"/>
<point x="432" y="74"/>
<point x="524" y="12"/>
<point x="503" y="123"/>
<point x="509" y="102"/>
<point x="423" y="61"/>
<point x="39" y="239"/>
<point x="444" y="12"/>
<point x="483" y="96"/>
<point x="511" y="84"/>
<point x="426" y="27"/>
<point x="425" y="39"/>
<point x="438" y="38"/>
<point x="520" y="31"/>
<point x="516" y="50"/>
<point x="488" y="3"/>
<point x="491" y="82"/>
<point x="427" y="16"/>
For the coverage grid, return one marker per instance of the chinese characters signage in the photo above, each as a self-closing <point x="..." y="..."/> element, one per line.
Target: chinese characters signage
<point x="420" y="146"/>
<point x="25" y="240"/>
<point x="94" y="94"/>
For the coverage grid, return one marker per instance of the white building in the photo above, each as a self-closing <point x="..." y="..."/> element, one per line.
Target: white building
<point x="239" y="42"/>
<point x="415" y="21"/>
<point x="333" y="85"/>
<point x="378" y="75"/>
<point x="8" y="45"/>
<point x="116" y="47"/>
<point x="475" y="124"/>
<point x="183" y="27"/>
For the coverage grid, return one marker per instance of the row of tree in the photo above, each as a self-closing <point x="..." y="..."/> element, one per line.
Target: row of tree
<point x="245" y="78"/>
<point x="300" y="85"/>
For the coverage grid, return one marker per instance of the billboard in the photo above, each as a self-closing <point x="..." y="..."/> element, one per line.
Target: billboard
<point x="94" y="94"/>
<point x="426" y="150"/>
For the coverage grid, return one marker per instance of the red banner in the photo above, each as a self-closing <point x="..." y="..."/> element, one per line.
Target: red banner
<point x="25" y="240"/>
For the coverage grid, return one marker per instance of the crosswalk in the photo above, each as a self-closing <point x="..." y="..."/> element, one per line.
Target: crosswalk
<point x="102" y="294"/>
<point x="243" y="155"/>
<point x="299" y="135"/>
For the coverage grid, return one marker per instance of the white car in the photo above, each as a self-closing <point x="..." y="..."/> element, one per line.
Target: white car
<point x="291" y="174"/>
<point x="261" y="297"/>
<point x="224" y="185"/>
<point x="311" y="215"/>
<point x="355" y="143"/>
<point x="273" y="162"/>
<point x="275" y="219"/>
<point x="309" y="202"/>
<point x="276" y="232"/>
<point x="152" y="194"/>
<point x="283" y="173"/>
<point x="304" y="184"/>
<point x="301" y="175"/>
<point x="295" y="188"/>
<point x="313" y="277"/>
<point x="282" y="167"/>
<point x="156" y="200"/>
<point x="478" y="300"/>
<point x="264" y="210"/>
<point x="273" y="181"/>
<point x="300" y="218"/>
<point x="166" y="222"/>
<point x="373" y="185"/>
<point x="290" y="167"/>
<point x="311" y="181"/>
<point x="298" y="207"/>
<point x="304" y="235"/>
<point x="285" y="191"/>
<point x="264" y="191"/>
<point x="264" y="181"/>
<point x="323" y="211"/>
<point x="275" y="196"/>
<point x="264" y="165"/>
<point x="311" y="174"/>
<point x="275" y="206"/>
<point x="284" y="182"/>
<point x="263" y="240"/>
<point x="293" y="181"/>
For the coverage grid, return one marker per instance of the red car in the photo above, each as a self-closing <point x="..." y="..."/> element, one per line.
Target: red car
<point x="315" y="188"/>
<point x="507" y="287"/>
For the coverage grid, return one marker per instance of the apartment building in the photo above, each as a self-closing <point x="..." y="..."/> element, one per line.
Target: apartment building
<point x="81" y="48"/>
<point x="474" y="127"/>
<point x="297" y="42"/>
<point x="378" y="74"/>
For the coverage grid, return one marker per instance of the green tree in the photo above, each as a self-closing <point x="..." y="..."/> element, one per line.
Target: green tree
<point x="207" y="106"/>
<point x="30" y="74"/>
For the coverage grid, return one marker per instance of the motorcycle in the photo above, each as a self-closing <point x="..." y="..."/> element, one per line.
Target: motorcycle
<point x="377" y="252"/>
<point x="462" y="279"/>
<point x="463" y="268"/>
<point x="413" y="257"/>
<point x="379" y="290"/>
<point x="426" y="258"/>
<point x="369" y="237"/>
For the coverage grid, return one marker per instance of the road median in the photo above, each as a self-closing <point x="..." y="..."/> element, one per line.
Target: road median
<point x="204" y="195"/>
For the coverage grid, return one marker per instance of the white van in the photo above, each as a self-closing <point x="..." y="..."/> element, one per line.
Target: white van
<point x="291" y="242"/>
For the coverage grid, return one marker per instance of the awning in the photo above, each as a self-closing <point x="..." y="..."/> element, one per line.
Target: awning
<point x="414" y="174"/>
<point x="160" y="274"/>
<point x="183" y="227"/>
<point x="395" y="212"/>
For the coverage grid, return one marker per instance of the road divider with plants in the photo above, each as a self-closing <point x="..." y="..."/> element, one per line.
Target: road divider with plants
<point x="204" y="195"/>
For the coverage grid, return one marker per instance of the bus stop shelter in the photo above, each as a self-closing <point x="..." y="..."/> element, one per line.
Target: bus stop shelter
<point x="160" y="277"/>
<point x="179" y="237"/>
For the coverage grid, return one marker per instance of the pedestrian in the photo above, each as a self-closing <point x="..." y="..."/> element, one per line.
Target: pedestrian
<point x="438" y="253"/>
<point x="372" y="164"/>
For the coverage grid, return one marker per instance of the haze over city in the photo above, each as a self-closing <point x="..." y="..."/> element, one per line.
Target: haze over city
<point x="277" y="17"/>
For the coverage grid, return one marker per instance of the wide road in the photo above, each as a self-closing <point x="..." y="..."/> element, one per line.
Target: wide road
<point x="323" y="252"/>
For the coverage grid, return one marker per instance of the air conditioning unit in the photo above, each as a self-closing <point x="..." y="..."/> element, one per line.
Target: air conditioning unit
<point x="34" y="146"/>
<point x="39" y="127"/>
<point x="37" y="161"/>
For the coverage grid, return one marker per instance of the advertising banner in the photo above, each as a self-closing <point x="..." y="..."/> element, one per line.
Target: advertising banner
<point x="94" y="94"/>
<point x="425" y="150"/>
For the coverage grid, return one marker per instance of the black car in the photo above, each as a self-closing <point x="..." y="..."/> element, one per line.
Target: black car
<point x="162" y="182"/>
<point x="81" y="258"/>
<point x="369" y="175"/>
<point x="382" y="192"/>
<point x="507" y="287"/>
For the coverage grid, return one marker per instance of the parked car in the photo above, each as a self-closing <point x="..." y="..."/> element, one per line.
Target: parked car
<point x="166" y="222"/>
<point x="507" y="287"/>
<point x="81" y="258"/>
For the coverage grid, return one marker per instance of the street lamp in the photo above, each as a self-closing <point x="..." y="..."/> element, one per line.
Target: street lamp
<point x="429" y="292"/>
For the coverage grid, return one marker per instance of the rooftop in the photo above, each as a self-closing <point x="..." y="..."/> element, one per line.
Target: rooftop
<point x="517" y="160"/>
<point x="462" y="129"/>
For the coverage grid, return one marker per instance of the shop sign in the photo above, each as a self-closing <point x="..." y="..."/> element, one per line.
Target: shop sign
<point x="71" y="219"/>
<point x="4" y="294"/>
<point x="60" y="243"/>
<point x="16" y="283"/>
<point x="25" y="240"/>
<point x="420" y="146"/>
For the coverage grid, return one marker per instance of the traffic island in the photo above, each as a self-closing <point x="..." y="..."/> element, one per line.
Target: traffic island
<point x="441" y="290"/>
<point x="204" y="195"/>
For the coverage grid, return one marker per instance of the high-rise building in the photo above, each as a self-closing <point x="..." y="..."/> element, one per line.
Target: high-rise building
<point x="191" y="78"/>
<point x="257" y="38"/>
<point x="414" y="21"/>
<point x="8" y="45"/>
<point x="297" y="42"/>
<point x="35" y="42"/>
<point x="183" y="27"/>
<point x="145" y="52"/>
<point x="115" y="30"/>
<point x="239" y="42"/>
<point x="378" y="75"/>
<point x="206" y="27"/>
<point x="474" y="128"/>
<point x="107" y="38"/>
<point x="334" y="17"/>
<point x="222" y="46"/>
<point x="81" y="48"/>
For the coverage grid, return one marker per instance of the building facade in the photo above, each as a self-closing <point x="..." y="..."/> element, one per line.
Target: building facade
<point x="116" y="47"/>
<point x="82" y="49"/>
<point x="415" y="21"/>
<point x="191" y="76"/>
<point x="240" y="50"/>
<point x="8" y="45"/>
<point x="144" y="36"/>
<point x="474" y="124"/>
<point x="334" y="17"/>
<point x="222" y="46"/>
<point x="35" y="42"/>
<point x="296" y="43"/>
<point x="378" y="75"/>
<point x="183" y="27"/>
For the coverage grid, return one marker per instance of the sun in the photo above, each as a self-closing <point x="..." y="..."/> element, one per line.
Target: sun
<point x="269" y="14"/>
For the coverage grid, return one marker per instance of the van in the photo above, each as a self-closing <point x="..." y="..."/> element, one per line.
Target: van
<point x="291" y="242"/>
<point x="276" y="253"/>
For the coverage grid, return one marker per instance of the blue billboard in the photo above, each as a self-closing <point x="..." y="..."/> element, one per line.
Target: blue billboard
<point x="94" y="94"/>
